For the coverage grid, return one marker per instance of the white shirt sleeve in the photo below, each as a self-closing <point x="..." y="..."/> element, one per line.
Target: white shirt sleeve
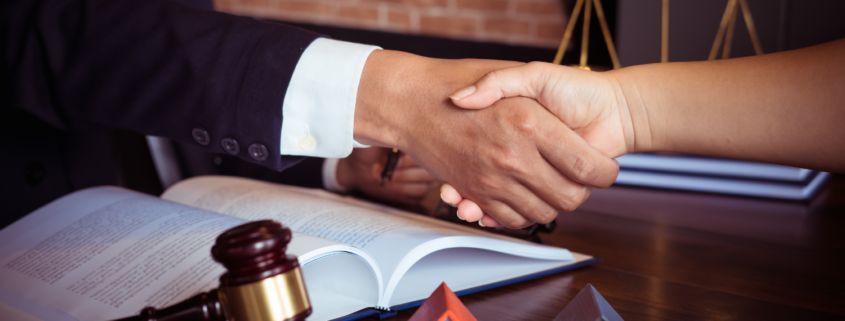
<point x="330" y="176"/>
<point x="319" y="106"/>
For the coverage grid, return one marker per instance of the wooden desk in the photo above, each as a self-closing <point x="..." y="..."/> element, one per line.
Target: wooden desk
<point x="686" y="256"/>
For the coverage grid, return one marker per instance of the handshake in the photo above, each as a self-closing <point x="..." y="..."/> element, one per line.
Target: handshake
<point x="516" y="143"/>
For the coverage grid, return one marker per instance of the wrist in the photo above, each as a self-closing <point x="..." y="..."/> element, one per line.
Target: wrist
<point x="377" y="119"/>
<point x="634" y="113"/>
<point x="344" y="175"/>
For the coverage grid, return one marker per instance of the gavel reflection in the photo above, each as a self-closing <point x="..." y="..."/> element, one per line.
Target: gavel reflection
<point x="262" y="282"/>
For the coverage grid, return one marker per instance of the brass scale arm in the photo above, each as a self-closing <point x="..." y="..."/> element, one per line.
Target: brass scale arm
<point x="726" y="30"/>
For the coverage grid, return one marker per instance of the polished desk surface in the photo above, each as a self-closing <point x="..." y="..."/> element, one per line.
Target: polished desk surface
<point x="687" y="256"/>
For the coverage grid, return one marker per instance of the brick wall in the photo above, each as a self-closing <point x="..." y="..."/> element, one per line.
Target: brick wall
<point x="538" y="23"/>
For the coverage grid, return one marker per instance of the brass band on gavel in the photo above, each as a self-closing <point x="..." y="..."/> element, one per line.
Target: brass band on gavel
<point x="282" y="297"/>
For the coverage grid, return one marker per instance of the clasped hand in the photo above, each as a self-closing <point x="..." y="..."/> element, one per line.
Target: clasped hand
<point x="516" y="161"/>
<point x="586" y="102"/>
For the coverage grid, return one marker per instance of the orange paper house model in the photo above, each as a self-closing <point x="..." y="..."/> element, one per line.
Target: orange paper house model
<point x="442" y="305"/>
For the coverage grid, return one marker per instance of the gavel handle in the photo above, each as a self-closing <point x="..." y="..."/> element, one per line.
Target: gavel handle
<point x="201" y="307"/>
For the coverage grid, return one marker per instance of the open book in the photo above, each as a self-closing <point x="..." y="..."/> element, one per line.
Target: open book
<point x="106" y="252"/>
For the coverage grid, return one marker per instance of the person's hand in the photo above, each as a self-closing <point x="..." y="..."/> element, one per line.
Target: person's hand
<point x="362" y="169"/>
<point x="516" y="161"/>
<point x="586" y="101"/>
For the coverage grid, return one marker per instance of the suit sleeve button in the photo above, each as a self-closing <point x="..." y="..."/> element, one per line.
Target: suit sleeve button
<point x="201" y="136"/>
<point x="230" y="145"/>
<point x="258" y="152"/>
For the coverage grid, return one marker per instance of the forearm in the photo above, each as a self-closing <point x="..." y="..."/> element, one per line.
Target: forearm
<point x="785" y="108"/>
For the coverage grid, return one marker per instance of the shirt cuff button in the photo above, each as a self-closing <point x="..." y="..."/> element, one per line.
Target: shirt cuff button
<point x="307" y="142"/>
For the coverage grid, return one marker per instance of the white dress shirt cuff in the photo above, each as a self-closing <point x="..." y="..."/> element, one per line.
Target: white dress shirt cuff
<point x="319" y="106"/>
<point x="330" y="182"/>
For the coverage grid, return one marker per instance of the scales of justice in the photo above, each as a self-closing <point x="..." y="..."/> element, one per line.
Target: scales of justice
<point x="263" y="283"/>
<point x="723" y="36"/>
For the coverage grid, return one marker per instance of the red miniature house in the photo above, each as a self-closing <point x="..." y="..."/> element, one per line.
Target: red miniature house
<point x="442" y="305"/>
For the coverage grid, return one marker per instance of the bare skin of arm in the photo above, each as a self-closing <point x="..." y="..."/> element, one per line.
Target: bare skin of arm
<point x="784" y="108"/>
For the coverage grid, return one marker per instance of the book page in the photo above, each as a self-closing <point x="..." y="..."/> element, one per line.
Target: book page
<point x="394" y="238"/>
<point x="465" y="268"/>
<point x="105" y="253"/>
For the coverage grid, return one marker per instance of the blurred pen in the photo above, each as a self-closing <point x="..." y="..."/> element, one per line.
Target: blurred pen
<point x="390" y="166"/>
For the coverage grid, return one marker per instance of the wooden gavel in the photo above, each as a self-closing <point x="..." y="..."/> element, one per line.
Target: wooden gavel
<point x="262" y="282"/>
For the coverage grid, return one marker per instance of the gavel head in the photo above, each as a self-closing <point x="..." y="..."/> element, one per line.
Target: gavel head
<point x="262" y="282"/>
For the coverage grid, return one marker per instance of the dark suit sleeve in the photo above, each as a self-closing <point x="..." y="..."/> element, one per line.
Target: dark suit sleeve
<point x="152" y="66"/>
<point x="307" y="173"/>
